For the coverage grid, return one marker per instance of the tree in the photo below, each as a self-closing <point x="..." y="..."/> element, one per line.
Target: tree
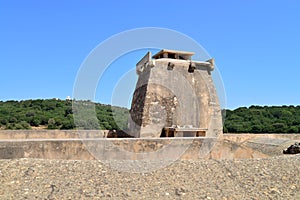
<point x="35" y="122"/>
<point x="67" y="124"/>
<point x="51" y="124"/>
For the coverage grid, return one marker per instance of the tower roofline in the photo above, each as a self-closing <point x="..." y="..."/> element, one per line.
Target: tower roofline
<point x="166" y="53"/>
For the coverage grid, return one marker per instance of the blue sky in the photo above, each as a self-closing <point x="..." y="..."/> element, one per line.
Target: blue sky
<point x="256" y="44"/>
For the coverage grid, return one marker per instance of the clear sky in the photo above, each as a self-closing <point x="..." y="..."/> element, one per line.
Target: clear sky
<point x="255" y="43"/>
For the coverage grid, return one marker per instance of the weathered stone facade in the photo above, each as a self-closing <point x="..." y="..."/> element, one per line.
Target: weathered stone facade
<point x="174" y="91"/>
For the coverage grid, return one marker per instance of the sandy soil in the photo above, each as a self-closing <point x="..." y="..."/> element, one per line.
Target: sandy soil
<point x="270" y="178"/>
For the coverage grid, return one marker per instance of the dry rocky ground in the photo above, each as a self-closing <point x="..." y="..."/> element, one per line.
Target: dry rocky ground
<point x="271" y="178"/>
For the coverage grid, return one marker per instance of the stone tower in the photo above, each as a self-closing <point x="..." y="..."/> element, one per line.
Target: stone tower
<point x="174" y="96"/>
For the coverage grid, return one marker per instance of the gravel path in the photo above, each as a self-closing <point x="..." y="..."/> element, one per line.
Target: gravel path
<point x="272" y="178"/>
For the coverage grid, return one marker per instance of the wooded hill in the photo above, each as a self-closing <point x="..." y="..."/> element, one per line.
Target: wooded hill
<point x="58" y="114"/>
<point x="263" y="119"/>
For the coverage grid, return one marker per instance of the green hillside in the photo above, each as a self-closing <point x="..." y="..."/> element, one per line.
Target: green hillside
<point x="58" y="114"/>
<point x="263" y="119"/>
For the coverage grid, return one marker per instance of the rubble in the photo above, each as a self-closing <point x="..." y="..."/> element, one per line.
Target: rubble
<point x="293" y="149"/>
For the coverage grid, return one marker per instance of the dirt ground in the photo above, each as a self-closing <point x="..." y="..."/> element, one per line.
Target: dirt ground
<point x="268" y="178"/>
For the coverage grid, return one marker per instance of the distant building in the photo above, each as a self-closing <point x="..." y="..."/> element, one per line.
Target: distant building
<point x="68" y="98"/>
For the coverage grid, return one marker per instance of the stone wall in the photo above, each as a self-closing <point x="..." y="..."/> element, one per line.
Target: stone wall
<point x="61" y="134"/>
<point x="69" y="145"/>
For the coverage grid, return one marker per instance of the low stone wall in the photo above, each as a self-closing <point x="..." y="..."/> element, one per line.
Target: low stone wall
<point x="50" y="134"/>
<point x="87" y="145"/>
<point x="60" y="134"/>
<point x="240" y="138"/>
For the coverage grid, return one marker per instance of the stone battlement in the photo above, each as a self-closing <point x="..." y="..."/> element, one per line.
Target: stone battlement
<point x="173" y="59"/>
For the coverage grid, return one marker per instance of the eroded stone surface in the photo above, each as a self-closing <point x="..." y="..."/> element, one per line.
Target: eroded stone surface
<point x="173" y="90"/>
